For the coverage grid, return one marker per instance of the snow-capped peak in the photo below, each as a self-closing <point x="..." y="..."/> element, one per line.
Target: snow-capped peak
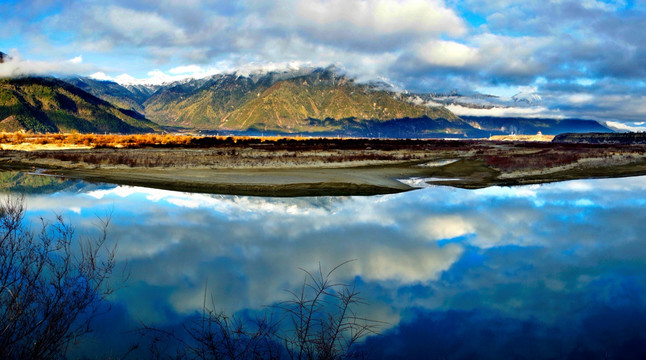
<point x="529" y="98"/>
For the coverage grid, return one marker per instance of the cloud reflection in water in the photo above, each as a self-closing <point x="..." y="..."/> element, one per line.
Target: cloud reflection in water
<point x="528" y="256"/>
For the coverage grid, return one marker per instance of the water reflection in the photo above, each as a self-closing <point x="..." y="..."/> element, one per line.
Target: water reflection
<point x="552" y="270"/>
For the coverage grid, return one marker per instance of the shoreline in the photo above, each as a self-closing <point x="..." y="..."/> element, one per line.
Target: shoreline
<point x="334" y="167"/>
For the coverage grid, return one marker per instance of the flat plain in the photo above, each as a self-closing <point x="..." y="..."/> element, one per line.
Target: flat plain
<point x="313" y="166"/>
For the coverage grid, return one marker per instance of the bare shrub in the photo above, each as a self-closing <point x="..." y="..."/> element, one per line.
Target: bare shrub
<point x="318" y="322"/>
<point x="49" y="289"/>
<point x="322" y="319"/>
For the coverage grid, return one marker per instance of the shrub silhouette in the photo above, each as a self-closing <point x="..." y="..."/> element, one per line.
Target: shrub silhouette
<point x="317" y="322"/>
<point x="50" y="289"/>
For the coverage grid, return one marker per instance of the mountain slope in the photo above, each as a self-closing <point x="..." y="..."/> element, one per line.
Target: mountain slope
<point x="50" y="105"/>
<point x="200" y="103"/>
<point x="403" y="128"/>
<point x="278" y="102"/>
<point x="112" y="92"/>
<point x="316" y="102"/>
<point x="531" y="126"/>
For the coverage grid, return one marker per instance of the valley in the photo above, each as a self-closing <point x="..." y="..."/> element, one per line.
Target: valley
<point x="290" y="133"/>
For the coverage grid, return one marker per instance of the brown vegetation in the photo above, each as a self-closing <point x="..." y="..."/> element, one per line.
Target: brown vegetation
<point x="551" y="155"/>
<point x="243" y="164"/>
<point x="137" y="140"/>
<point x="95" y="140"/>
<point x="537" y="137"/>
<point x="184" y="141"/>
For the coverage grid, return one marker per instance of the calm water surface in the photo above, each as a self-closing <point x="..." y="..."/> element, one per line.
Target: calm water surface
<point x="543" y="271"/>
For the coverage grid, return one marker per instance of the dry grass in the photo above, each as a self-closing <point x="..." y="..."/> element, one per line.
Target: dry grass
<point x="75" y="140"/>
<point x="139" y="159"/>
<point x="544" y="138"/>
<point x="27" y="141"/>
<point x="36" y="147"/>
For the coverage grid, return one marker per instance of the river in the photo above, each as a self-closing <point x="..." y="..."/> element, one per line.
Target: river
<point x="542" y="271"/>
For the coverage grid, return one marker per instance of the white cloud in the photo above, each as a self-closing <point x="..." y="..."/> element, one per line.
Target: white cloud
<point x="489" y="55"/>
<point x="444" y="227"/>
<point x="531" y="112"/>
<point x="634" y="127"/>
<point x="585" y="81"/>
<point x="369" y="24"/>
<point x="603" y="5"/>
<point x="625" y="107"/>
<point x="420" y="45"/>
<point x="137" y="27"/>
<point x="580" y="99"/>
<point x="155" y="77"/>
<point x="125" y="79"/>
<point x="76" y="60"/>
<point x="243" y="67"/>
<point x="101" y="76"/>
<point x="382" y="16"/>
<point x="510" y="56"/>
<point x="186" y="69"/>
<point x="447" y="53"/>
<point x="404" y="266"/>
<point x="263" y="68"/>
<point x="17" y="66"/>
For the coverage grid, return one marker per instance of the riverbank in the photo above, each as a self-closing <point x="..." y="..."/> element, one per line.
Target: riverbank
<point x="289" y="167"/>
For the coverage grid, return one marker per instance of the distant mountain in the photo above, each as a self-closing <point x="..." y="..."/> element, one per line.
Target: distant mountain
<point x="142" y="92"/>
<point x="404" y="128"/>
<point x="531" y="126"/>
<point x="112" y="92"/>
<point x="3" y="56"/>
<point x="279" y="102"/>
<point x="51" y="105"/>
<point x="425" y="127"/>
<point x="318" y="102"/>
<point x="527" y="98"/>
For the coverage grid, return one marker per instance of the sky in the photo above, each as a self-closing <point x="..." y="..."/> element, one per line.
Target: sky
<point x="584" y="59"/>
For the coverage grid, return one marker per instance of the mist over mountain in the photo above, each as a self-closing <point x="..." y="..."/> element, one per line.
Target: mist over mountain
<point x="279" y="101"/>
<point x="531" y="126"/>
<point x="319" y="101"/>
<point x="299" y="100"/>
<point x="527" y="98"/>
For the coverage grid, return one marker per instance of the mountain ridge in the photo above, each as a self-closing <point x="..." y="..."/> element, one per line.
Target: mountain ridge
<point x="52" y="105"/>
<point x="311" y="101"/>
<point x="276" y="101"/>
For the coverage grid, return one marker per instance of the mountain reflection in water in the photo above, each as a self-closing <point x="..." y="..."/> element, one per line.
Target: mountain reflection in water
<point x="544" y="271"/>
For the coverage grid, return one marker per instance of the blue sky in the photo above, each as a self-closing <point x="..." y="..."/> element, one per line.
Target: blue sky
<point x="583" y="58"/>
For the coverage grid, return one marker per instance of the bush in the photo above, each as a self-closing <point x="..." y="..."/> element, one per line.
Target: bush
<point x="51" y="285"/>
<point x="318" y="323"/>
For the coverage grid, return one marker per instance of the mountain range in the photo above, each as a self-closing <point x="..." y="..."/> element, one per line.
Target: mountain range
<point x="282" y="102"/>
<point x="316" y="102"/>
<point x="52" y="105"/>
